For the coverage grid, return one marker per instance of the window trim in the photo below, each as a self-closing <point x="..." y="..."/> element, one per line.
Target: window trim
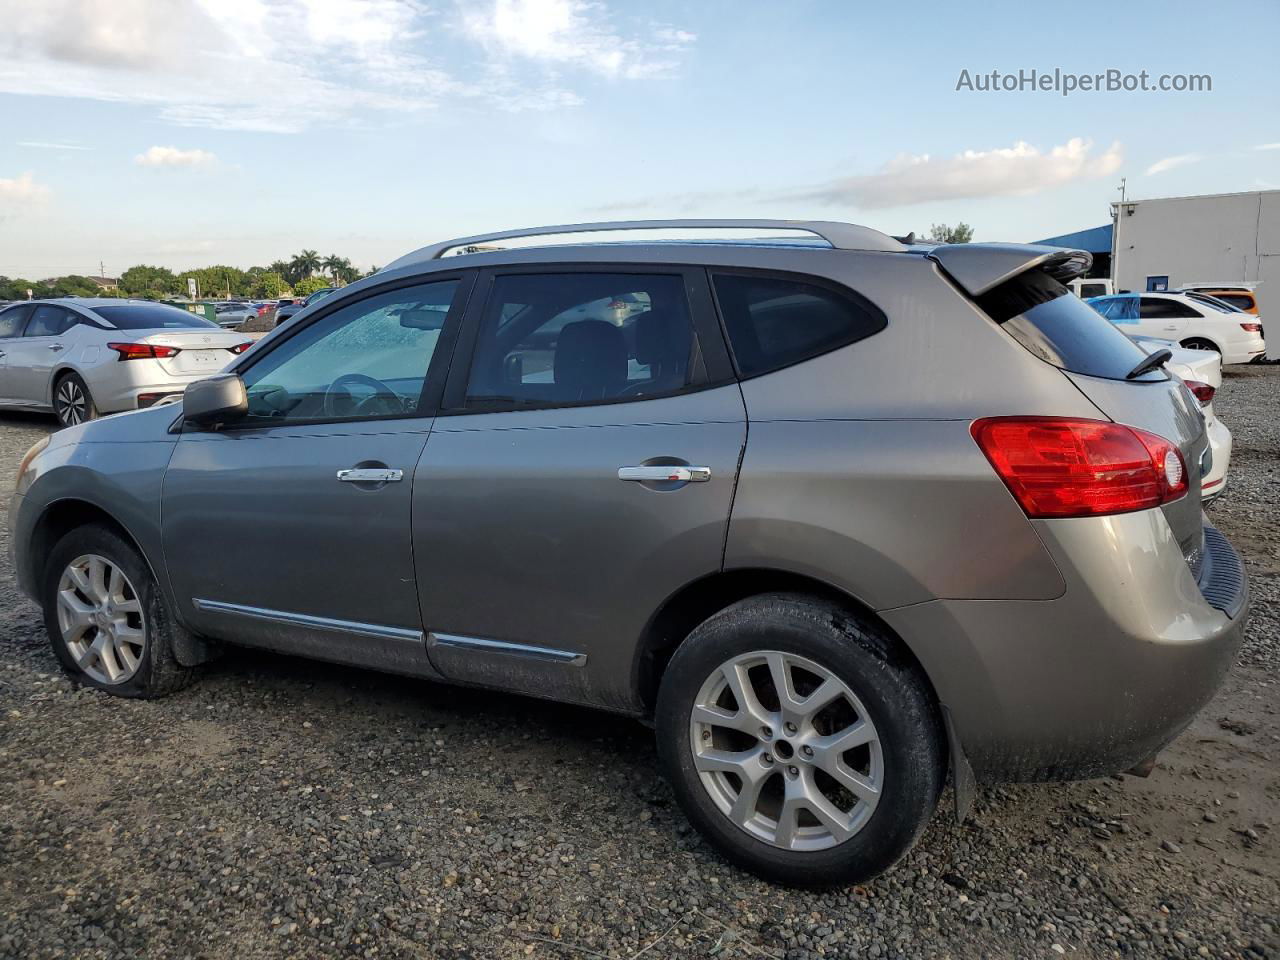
<point x="709" y="364"/>
<point x="437" y="369"/>
<point x="791" y="276"/>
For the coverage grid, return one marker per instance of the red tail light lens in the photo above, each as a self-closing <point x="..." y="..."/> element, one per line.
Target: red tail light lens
<point x="1204" y="393"/>
<point x="1251" y="327"/>
<point x="142" y="351"/>
<point x="241" y="347"/>
<point x="1058" y="467"/>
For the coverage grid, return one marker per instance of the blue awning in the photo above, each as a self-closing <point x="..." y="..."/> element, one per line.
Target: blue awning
<point x="1094" y="240"/>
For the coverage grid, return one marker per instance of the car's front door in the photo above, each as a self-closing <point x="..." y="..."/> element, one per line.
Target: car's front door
<point x="290" y="528"/>
<point x="32" y="356"/>
<point x="581" y="472"/>
<point x="12" y="320"/>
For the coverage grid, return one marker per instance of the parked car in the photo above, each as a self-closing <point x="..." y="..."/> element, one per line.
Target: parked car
<point x="287" y="310"/>
<point x="1239" y="295"/>
<point x="82" y="357"/>
<point x="1194" y="322"/>
<point x="962" y="536"/>
<point x="233" y="313"/>
<point x="1201" y="371"/>
<point x="1091" y="287"/>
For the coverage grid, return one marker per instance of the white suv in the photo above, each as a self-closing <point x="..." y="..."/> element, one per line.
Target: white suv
<point x="1192" y="320"/>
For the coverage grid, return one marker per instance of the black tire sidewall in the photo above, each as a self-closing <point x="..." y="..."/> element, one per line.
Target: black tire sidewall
<point x="900" y="706"/>
<point x="90" y="408"/>
<point x="105" y="543"/>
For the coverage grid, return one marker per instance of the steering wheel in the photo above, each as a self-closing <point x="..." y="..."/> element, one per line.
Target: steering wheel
<point x="382" y="394"/>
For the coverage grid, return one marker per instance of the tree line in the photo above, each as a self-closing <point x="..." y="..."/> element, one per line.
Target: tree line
<point x="300" y="275"/>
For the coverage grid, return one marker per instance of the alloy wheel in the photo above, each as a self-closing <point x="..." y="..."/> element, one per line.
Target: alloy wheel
<point x="100" y="617"/>
<point x="786" y="750"/>
<point x="70" y="402"/>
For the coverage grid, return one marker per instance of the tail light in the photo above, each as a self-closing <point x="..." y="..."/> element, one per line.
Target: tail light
<point x="1251" y="327"/>
<point x="142" y="351"/>
<point x="1204" y="393"/>
<point x="1059" y="467"/>
<point x="242" y="347"/>
<point x="617" y="305"/>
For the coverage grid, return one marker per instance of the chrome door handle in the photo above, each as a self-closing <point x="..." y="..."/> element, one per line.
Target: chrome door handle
<point x="371" y="475"/>
<point x="55" y="346"/>
<point x="667" y="473"/>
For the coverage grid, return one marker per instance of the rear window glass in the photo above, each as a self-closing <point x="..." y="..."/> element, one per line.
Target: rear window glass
<point x="1062" y="330"/>
<point x="1241" y="301"/>
<point x="773" y="322"/>
<point x="151" y="316"/>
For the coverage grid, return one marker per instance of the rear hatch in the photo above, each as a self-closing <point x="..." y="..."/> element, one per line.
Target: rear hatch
<point x="200" y="353"/>
<point x="1034" y="308"/>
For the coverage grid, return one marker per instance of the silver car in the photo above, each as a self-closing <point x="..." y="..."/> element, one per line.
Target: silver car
<point x="843" y="519"/>
<point x="80" y="358"/>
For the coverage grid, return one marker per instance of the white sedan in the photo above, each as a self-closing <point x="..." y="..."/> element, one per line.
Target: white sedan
<point x="83" y="357"/>
<point x="1190" y="319"/>
<point x="1201" y="370"/>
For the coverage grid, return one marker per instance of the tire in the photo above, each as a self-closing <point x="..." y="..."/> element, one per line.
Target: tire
<point x="72" y="401"/>
<point x="1199" y="343"/>
<point x="137" y="659"/>
<point x="816" y="642"/>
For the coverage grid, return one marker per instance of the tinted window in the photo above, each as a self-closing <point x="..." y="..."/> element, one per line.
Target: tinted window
<point x="773" y="322"/>
<point x="549" y="339"/>
<point x="367" y="359"/>
<point x="151" y="316"/>
<point x="49" y="321"/>
<point x="1062" y="330"/>
<point x="1241" y="301"/>
<point x="1159" y="308"/>
<point x="12" y="320"/>
<point x="1092" y="289"/>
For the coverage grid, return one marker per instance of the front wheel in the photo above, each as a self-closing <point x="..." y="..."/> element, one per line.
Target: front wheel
<point x="800" y="741"/>
<point x="108" y="624"/>
<point x="72" y="401"/>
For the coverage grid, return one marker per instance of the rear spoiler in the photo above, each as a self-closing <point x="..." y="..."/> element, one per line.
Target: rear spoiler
<point x="981" y="267"/>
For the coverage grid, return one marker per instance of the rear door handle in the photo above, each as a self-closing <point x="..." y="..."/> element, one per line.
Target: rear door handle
<point x="55" y="346"/>
<point x="371" y="475"/>
<point x="669" y="472"/>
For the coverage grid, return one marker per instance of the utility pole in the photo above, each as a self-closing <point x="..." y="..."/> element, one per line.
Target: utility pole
<point x="102" y="270"/>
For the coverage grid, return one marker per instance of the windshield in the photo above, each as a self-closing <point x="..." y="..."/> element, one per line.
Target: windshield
<point x="152" y="316"/>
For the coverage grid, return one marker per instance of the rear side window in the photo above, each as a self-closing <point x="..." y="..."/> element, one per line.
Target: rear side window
<point x="773" y="322"/>
<point x="49" y="322"/>
<point x="1160" y="308"/>
<point x="1063" y="330"/>
<point x="565" y="338"/>
<point x="11" y="321"/>
<point x="151" y="316"/>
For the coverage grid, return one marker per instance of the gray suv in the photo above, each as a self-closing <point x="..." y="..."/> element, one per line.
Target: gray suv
<point x="843" y="517"/>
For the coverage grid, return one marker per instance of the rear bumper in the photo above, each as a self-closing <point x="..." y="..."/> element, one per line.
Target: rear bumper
<point x="1102" y="677"/>
<point x="1214" y="482"/>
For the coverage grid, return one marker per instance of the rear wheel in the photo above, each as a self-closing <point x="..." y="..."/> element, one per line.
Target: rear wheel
<point x="72" y="401"/>
<point x="107" y="623"/>
<point x="800" y="741"/>
<point x="1199" y="343"/>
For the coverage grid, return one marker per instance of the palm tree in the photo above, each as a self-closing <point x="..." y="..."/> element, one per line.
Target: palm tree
<point x="332" y="264"/>
<point x="305" y="264"/>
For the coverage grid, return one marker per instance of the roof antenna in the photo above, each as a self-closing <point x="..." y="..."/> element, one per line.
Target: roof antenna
<point x="909" y="239"/>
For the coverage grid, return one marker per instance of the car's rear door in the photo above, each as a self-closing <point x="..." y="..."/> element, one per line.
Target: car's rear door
<point x="291" y="527"/>
<point x="581" y="471"/>
<point x="1164" y="317"/>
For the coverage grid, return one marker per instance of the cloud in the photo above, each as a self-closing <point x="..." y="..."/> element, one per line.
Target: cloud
<point x="286" y="65"/>
<point x="173" y="157"/>
<point x="1020" y="170"/>
<point x="44" y="145"/>
<point x="21" y="189"/>
<point x="1267" y="146"/>
<point x="573" y="33"/>
<point x="1172" y="163"/>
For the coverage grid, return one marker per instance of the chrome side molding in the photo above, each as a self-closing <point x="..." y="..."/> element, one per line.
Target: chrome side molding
<point x="524" y="650"/>
<point x="307" y="620"/>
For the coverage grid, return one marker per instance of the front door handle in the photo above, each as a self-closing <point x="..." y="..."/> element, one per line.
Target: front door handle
<point x="668" y="472"/>
<point x="1172" y="327"/>
<point x="371" y="475"/>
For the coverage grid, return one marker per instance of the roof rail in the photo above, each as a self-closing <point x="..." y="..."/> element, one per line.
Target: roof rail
<point x="841" y="236"/>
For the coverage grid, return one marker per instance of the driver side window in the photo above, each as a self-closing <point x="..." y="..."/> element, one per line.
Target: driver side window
<point x="367" y="359"/>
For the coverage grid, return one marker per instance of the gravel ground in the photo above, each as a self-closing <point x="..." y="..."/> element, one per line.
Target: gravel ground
<point x="282" y="808"/>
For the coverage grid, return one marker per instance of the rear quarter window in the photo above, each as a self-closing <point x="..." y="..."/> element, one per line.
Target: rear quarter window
<point x="1063" y="330"/>
<point x="773" y="322"/>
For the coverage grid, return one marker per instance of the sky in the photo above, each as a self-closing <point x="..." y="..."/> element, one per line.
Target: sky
<point x="190" y="132"/>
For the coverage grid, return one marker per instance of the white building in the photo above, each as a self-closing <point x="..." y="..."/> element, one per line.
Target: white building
<point x="1216" y="238"/>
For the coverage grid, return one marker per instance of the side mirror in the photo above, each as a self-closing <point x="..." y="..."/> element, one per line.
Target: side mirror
<point x="217" y="400"/>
